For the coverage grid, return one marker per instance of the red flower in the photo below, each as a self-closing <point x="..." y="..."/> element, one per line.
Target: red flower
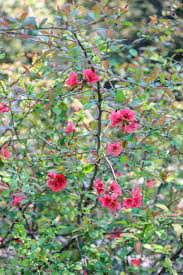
<point x="118" y="174"/>
<point x="135" y="262"/>
<point x="129" y="128"/>
<point x="129" y="203"/>
<point x="135" y="201"/>
<point x="17" y="200"/>
<point x="5" y="153"/>
<point x="72" y="80"/>
<point x="124" y="117"/>
<point x="114" y="205"/>
<point x="69" y="127"/>
<point x="137" y="196"/>
<point x="115" y="235"/>
<point x="116" y="147"/>
<point x="116" y="118"/>
<point x="127" y="114"/>
<point x="18" y="241"/>
<point x="150" y="183"/>
<point x="90" y="76"/>
<point x="115" y="189"/>
<point x="105" y="201"/>
<point x="132" y="127"/>
<point x="3" y="107"/>
<point x="56" y="181"/>
<point x="99" y="186"/>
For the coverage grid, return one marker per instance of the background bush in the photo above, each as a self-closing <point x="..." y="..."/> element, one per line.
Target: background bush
<point x="136" y="51"/>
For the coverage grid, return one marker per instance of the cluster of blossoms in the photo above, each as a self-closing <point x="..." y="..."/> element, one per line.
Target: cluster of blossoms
<point x="3" y="107"/>
<point x="115" y="235"/>
<point x="124" y="119"/>
<point x="108" y="200"/>
<point x="88" y="75"/>
<point x="56" y="181"/>
<point x="5" y="153"/>
<point x="135" y="262"/>
<point x="69" y="128"/>
<point x="134" y="201"/>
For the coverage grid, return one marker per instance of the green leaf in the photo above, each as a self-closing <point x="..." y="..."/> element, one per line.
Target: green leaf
<point x="129" y="236"/>
<point x="124" y="159"/>
<point x="162" y="206"/>
<point x="1" y="163"/>
<point x="162" y="79"/>
<point x="120" y="96"/>
<point x="133" y="52"/>
<point x="127" y="23"/>
<point x="88" y="168"/>
<point x="2" y="55"/>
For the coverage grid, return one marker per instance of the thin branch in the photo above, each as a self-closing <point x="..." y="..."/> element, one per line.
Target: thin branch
<point x="110" y="165"/>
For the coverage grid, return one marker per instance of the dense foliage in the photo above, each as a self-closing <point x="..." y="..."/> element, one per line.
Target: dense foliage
<point x="91" y="141"/>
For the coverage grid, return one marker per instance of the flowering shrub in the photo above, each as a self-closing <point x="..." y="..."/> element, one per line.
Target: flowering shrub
<point x="91" y="142"/>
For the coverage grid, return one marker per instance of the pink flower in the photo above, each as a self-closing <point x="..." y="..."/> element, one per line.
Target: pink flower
<point x="129" y="203"/>
<point x="116" y="147"/>
<point x="118" y="174"/>
<point x="132" y="127"/>
<point x="180" y="204"/>
<point x="17" y="200"/>
<point x="72" y="80"/>
<point x="90" y="76"/>
<point x="105" y="201"/>
<point x="137" y="196"/>
<point x="76" y="108"/>
<point x="69" y="127"/>
<point x="115" y="189"/>
<point x="150" y="183"/>
<point x="116" y="118"/>
<point x="1" y="241"/>
<point x="115" y="235"/>
<point x="135" y="262"/>
<point x="127" y="114"/>
<point x="136" y="192"/>
<point x="129" y="128"/>
<point x="136" y="137"/>
<point x="5" y="153"/>
<point x="124" y="128"/>
<point x="114" y="205"/>
<point x="99" y="186"/>
<point x="56" y="181"/>
<point x="3" y="107"/>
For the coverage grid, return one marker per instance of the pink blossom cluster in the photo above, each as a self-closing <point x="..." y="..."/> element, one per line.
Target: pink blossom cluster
<point x="135" y="262"/>
<point x="108" y="200"/>
<point x="88" y="75"/>
<point x="70" y="128"/>
<point x="124" y="119"/>
<point x="3" y="107"/>
<point x="115" y="235"/>
<point x="134" y="201"/>
<point x="56" y="181"/>
<point x="5" y="153"/>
